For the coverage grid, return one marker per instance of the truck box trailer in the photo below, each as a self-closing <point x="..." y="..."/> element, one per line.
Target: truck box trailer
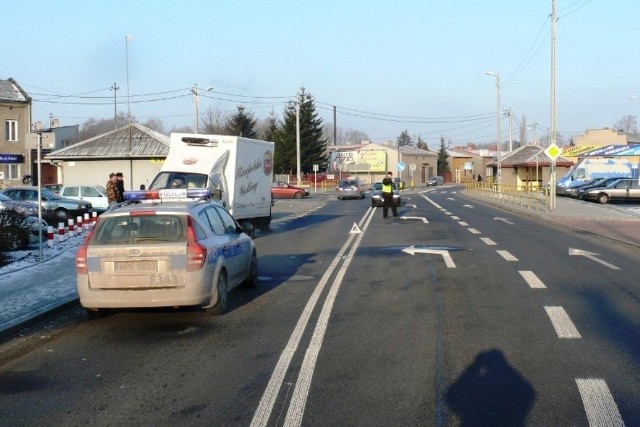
<point x="237" y="170"/>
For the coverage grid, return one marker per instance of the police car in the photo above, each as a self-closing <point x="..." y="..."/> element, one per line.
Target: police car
<point x="164" y="248"/>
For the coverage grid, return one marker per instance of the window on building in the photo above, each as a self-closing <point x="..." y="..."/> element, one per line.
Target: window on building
<point x="11" y="131"/>
<point x="13" y="171"/>
<point x="66" y="143"/>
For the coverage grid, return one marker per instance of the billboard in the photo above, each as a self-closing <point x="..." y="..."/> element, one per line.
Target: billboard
<point x="358" y="161"/>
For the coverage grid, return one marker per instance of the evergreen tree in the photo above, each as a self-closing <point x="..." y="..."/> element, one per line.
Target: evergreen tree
<point x="443" y="162"/>
<point x="404" y="139"/>
<point x="242" y="124"/>
<point x="313" y="146"/>
<point x="271" y="128"/>
<point x="422" y="144"/>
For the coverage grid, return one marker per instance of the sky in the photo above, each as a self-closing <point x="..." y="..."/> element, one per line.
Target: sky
<point x="387" y="67"/>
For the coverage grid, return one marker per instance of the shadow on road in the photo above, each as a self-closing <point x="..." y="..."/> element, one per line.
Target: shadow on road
<point x="490" y="392"/>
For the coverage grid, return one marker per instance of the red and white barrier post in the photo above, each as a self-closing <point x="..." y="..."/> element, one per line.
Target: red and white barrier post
<point x="94" y="218"/>
<point x="71" y="228"/>
<point x="86" y="223"/>
<point x="50" y="236"/>
<point x="61" y="231"/>
<point x="79" y="224"/>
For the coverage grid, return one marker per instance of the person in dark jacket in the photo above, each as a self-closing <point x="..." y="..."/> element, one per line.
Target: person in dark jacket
<point x="387" y="196"/>
<point x="120" y="187"/>
<point x="112" y="190"/>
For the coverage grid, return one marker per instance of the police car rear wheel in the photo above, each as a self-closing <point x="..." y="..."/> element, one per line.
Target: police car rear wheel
<point x="221" y="304"/>
<point x="252" y="279"/>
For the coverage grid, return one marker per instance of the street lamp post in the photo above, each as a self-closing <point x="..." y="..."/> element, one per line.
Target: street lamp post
<point x="498" y="113"/>
<point x="298" y="142"/>
<point x="194" y="91"/>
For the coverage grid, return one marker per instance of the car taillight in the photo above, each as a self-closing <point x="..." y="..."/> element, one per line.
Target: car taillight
<point x="196" y="253"/>
<point x="81" y="255"/>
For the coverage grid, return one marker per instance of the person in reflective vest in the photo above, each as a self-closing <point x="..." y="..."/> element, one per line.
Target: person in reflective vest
<point x="387" y="196"/>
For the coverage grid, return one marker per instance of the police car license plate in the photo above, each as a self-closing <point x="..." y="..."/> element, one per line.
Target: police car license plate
<point x="135" y="267"/>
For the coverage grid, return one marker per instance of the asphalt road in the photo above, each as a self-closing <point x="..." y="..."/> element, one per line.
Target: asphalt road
<point x="456" y="314"/>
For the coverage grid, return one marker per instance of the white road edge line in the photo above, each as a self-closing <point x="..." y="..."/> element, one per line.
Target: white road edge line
<point x="532" y="280"/>
<point x="265" y="407"/>
<point x="303" y="384"/>
<point x="598" y="402"/>
<point x="562" y="323"/>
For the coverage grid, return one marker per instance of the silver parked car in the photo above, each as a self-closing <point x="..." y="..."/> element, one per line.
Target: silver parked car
<point x="164" y="253"/>
<point x="56" y="208"/>
<point x="620" y="189"/>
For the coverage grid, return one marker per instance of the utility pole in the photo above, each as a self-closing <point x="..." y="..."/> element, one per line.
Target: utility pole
<point x="554" y="30"/>
<point x="510" y="130"/>
<point x="335" y="132"/>
<point x="115" y="88"/>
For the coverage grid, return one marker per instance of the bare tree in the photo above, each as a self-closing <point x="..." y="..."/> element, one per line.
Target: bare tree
<point x="214" y="121"/>
<point x="627" y="124"/>
<point x="155" y="124"/>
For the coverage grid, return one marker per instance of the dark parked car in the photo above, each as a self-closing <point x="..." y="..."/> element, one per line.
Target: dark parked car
<point x="594" y="183"/>
<point x="56" y="208"/>
<point x="282" y="190"/>
<point x="350" y="189"/>
<point x="435" y="180"/>
<point x="376" y="195"/>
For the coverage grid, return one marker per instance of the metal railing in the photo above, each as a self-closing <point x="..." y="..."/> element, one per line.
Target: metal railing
<point x="525" y="197"/>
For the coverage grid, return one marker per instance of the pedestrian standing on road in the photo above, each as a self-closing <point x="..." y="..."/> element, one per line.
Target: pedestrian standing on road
<point x="120" y="187"/>
<point x="112" y="191"/>
<point x="387" y="196"/>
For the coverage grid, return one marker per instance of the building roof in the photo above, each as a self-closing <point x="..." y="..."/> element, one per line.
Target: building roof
<point x="528" y="155"/>
<point x="145" y="143"/>
<point x="10" y="91"/>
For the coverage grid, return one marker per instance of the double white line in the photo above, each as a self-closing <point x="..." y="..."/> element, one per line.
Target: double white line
<point x="301" y="390"/>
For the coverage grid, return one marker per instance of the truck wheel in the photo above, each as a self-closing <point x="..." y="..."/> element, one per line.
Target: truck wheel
<point x="603" y="198"/>
<point x="220" y="306"/>
<point x="248" y="228"/>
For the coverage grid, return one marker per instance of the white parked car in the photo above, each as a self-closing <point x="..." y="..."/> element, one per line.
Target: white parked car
<point x="164" y="253"/>
<point x="96" y="194"/>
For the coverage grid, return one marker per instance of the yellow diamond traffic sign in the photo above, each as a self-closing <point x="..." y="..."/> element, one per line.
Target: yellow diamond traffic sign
<point x="553" y="151"/>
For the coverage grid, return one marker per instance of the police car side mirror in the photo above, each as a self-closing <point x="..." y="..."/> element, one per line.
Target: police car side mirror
<point x="247" y="228"/>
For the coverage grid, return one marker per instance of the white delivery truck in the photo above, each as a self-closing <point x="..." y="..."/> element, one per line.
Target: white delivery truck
<point x="589" y="168"/>
<point x="237" y="170"/>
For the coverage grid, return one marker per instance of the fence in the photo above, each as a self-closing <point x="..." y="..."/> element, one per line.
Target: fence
<point x="522" y="196"/>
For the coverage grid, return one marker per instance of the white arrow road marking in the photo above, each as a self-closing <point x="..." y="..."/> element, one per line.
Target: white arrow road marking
<point x="421" y="218"/>
<point x="598" y="402"/>
<point x="468" y="206"/>
<point x="592" y="256"/>
<point x="503" y="220"/>
<point x="450" y="198"/>
<point x="561" y="322"/>
<point x="411" y="206"/>
<point x="412" y="250"/>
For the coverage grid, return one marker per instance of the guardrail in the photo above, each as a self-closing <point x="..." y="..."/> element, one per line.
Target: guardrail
<point x="534" y="199"/>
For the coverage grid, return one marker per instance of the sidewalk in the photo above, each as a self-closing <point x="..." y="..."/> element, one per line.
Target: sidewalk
<point x="29" y="291"/>
<point x="619" y="222"/>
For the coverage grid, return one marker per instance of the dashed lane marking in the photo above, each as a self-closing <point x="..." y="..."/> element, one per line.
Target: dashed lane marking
<point x="488" y="241"/>
<point x="532" y="280"/>
<point x="598" y="403"/>
<point x="507" y="256"/>
<point x="562" y="323"/>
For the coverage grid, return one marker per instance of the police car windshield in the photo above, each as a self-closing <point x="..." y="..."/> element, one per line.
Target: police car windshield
<point x="178" y="180"/>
